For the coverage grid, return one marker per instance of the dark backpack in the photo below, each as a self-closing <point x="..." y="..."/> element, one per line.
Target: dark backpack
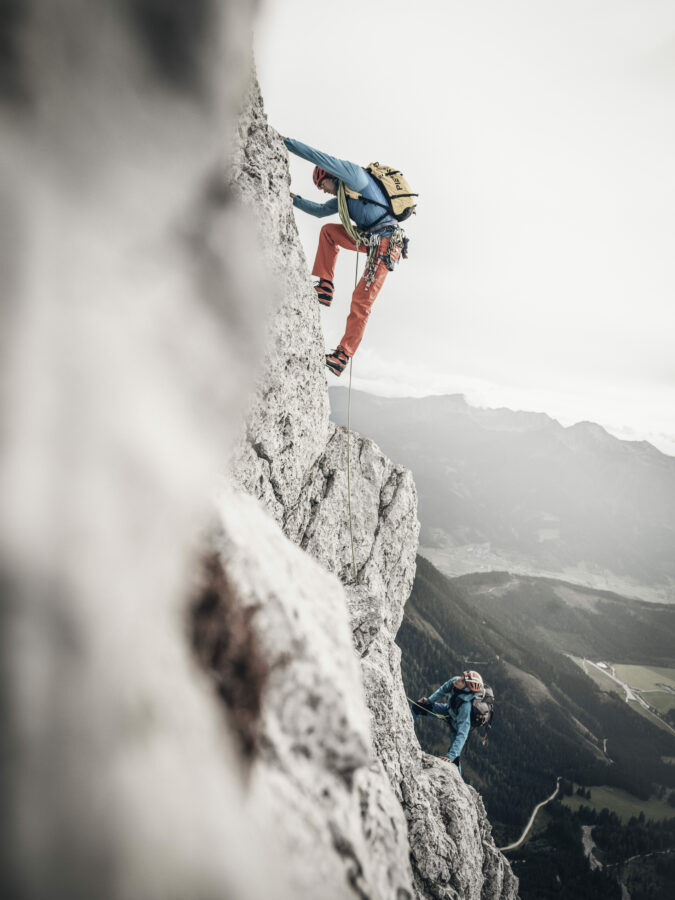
<point x="482" y="707"/>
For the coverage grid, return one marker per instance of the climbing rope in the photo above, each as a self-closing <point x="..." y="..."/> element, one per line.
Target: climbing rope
<point x="427" y="711"/>
<point x="349" y="430"/>
<point x="373" y="242"/>
<point x="358" y="236"/>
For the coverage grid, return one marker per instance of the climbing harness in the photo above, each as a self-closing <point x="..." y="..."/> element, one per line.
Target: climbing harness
<point x="397" y="241"/>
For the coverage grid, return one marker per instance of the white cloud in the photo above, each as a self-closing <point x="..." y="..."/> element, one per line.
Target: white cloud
<point x="541" y="138"/>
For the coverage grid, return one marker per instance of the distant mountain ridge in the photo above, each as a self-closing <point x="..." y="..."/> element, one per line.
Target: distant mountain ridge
<point x="517" y="491"/>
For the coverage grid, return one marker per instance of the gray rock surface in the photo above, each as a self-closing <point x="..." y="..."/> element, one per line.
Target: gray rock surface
<point x="131" y="338"/>
<point x="287" y="425"/>
<point x="317" y="777"/>
<point x="295" y="463"/>
<point x="122" y="262"/>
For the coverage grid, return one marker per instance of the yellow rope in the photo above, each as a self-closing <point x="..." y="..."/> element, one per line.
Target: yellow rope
<point x="427" y="711"/>
<point x="360" y="237"/>
<point x="349" y="431"/>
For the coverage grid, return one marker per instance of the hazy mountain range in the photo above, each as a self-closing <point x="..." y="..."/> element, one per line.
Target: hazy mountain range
<point x="516" y="491"/>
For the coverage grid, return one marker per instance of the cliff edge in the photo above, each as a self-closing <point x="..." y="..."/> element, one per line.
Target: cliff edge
<point x="397" y="804"/>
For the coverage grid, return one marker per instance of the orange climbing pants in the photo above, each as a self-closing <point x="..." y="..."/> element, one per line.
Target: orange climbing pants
<point x="333" y="237"/>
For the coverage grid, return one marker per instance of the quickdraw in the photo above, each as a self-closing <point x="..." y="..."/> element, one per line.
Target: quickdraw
<point x="397" y="241"/>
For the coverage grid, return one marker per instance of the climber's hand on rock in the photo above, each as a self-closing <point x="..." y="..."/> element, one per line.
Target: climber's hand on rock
<point x="424" y="705"/>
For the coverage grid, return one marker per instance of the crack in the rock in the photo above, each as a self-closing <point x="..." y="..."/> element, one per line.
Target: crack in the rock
<point x="382" y="508"/>
<point x="317" y="472"/>
<point x="261" y="454"/>
<point x="353" y="867"/>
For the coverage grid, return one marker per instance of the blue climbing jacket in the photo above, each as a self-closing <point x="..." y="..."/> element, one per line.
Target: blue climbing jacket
<point x="355" y="178"/>
<point x="459" y="719"/>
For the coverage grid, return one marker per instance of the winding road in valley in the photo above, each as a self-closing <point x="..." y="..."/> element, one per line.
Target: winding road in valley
<point x="532" y="818"/>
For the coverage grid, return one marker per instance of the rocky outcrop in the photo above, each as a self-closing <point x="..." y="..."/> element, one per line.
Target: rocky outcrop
<point x="128" y="345"/>
<point x="316" y="776"/>
<point x="294" y="461"/>
<point x="131" y="339"/>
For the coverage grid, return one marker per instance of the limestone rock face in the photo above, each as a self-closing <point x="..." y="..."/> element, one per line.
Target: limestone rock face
<point x="122" y="260"/>
<point x="136" y="290"/>
<point x="317" y="778"/>
<point x="295" y="463"/>
<point x="287" y="424"/>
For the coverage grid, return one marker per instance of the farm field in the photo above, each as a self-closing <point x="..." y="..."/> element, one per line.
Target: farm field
<point x="642" y="678"/>
<point x="661" y="700"/>
<point x="604" y="682"/>
<point x="622" y="803"/>
<point x="645" y="678"/>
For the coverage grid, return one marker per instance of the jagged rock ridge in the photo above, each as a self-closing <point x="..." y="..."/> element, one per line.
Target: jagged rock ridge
<point x="294" y="461"/>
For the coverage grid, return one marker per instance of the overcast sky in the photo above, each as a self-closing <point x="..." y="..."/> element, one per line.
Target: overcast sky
<point x="540" y="135"/>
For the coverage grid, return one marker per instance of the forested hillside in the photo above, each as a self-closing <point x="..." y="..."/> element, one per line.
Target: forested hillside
<point x="551" y="718"/>
<point x="582" y="621"/>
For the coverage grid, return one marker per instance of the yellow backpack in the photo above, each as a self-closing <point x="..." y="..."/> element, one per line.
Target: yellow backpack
<point x="397" y="190"/>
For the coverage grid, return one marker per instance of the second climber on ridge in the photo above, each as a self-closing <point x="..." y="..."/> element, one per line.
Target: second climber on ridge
<point x="366" y="199"/>
<point x="459" y="694"/>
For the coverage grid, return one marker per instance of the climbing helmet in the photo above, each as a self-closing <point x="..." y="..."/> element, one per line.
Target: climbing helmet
<point x="319" y="175"/>
<point x="473" y="680"/>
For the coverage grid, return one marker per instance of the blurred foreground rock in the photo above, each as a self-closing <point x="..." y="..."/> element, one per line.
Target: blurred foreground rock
<point x="138" y="308"/>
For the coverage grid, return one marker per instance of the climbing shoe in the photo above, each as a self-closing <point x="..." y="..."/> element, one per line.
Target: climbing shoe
<point x="324" y="291"/>
<point x="336" y="361"/>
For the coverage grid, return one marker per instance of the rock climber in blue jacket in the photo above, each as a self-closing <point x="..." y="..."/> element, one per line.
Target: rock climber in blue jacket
<point x="459" y="693"/>
<point x="371" y="213"/>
